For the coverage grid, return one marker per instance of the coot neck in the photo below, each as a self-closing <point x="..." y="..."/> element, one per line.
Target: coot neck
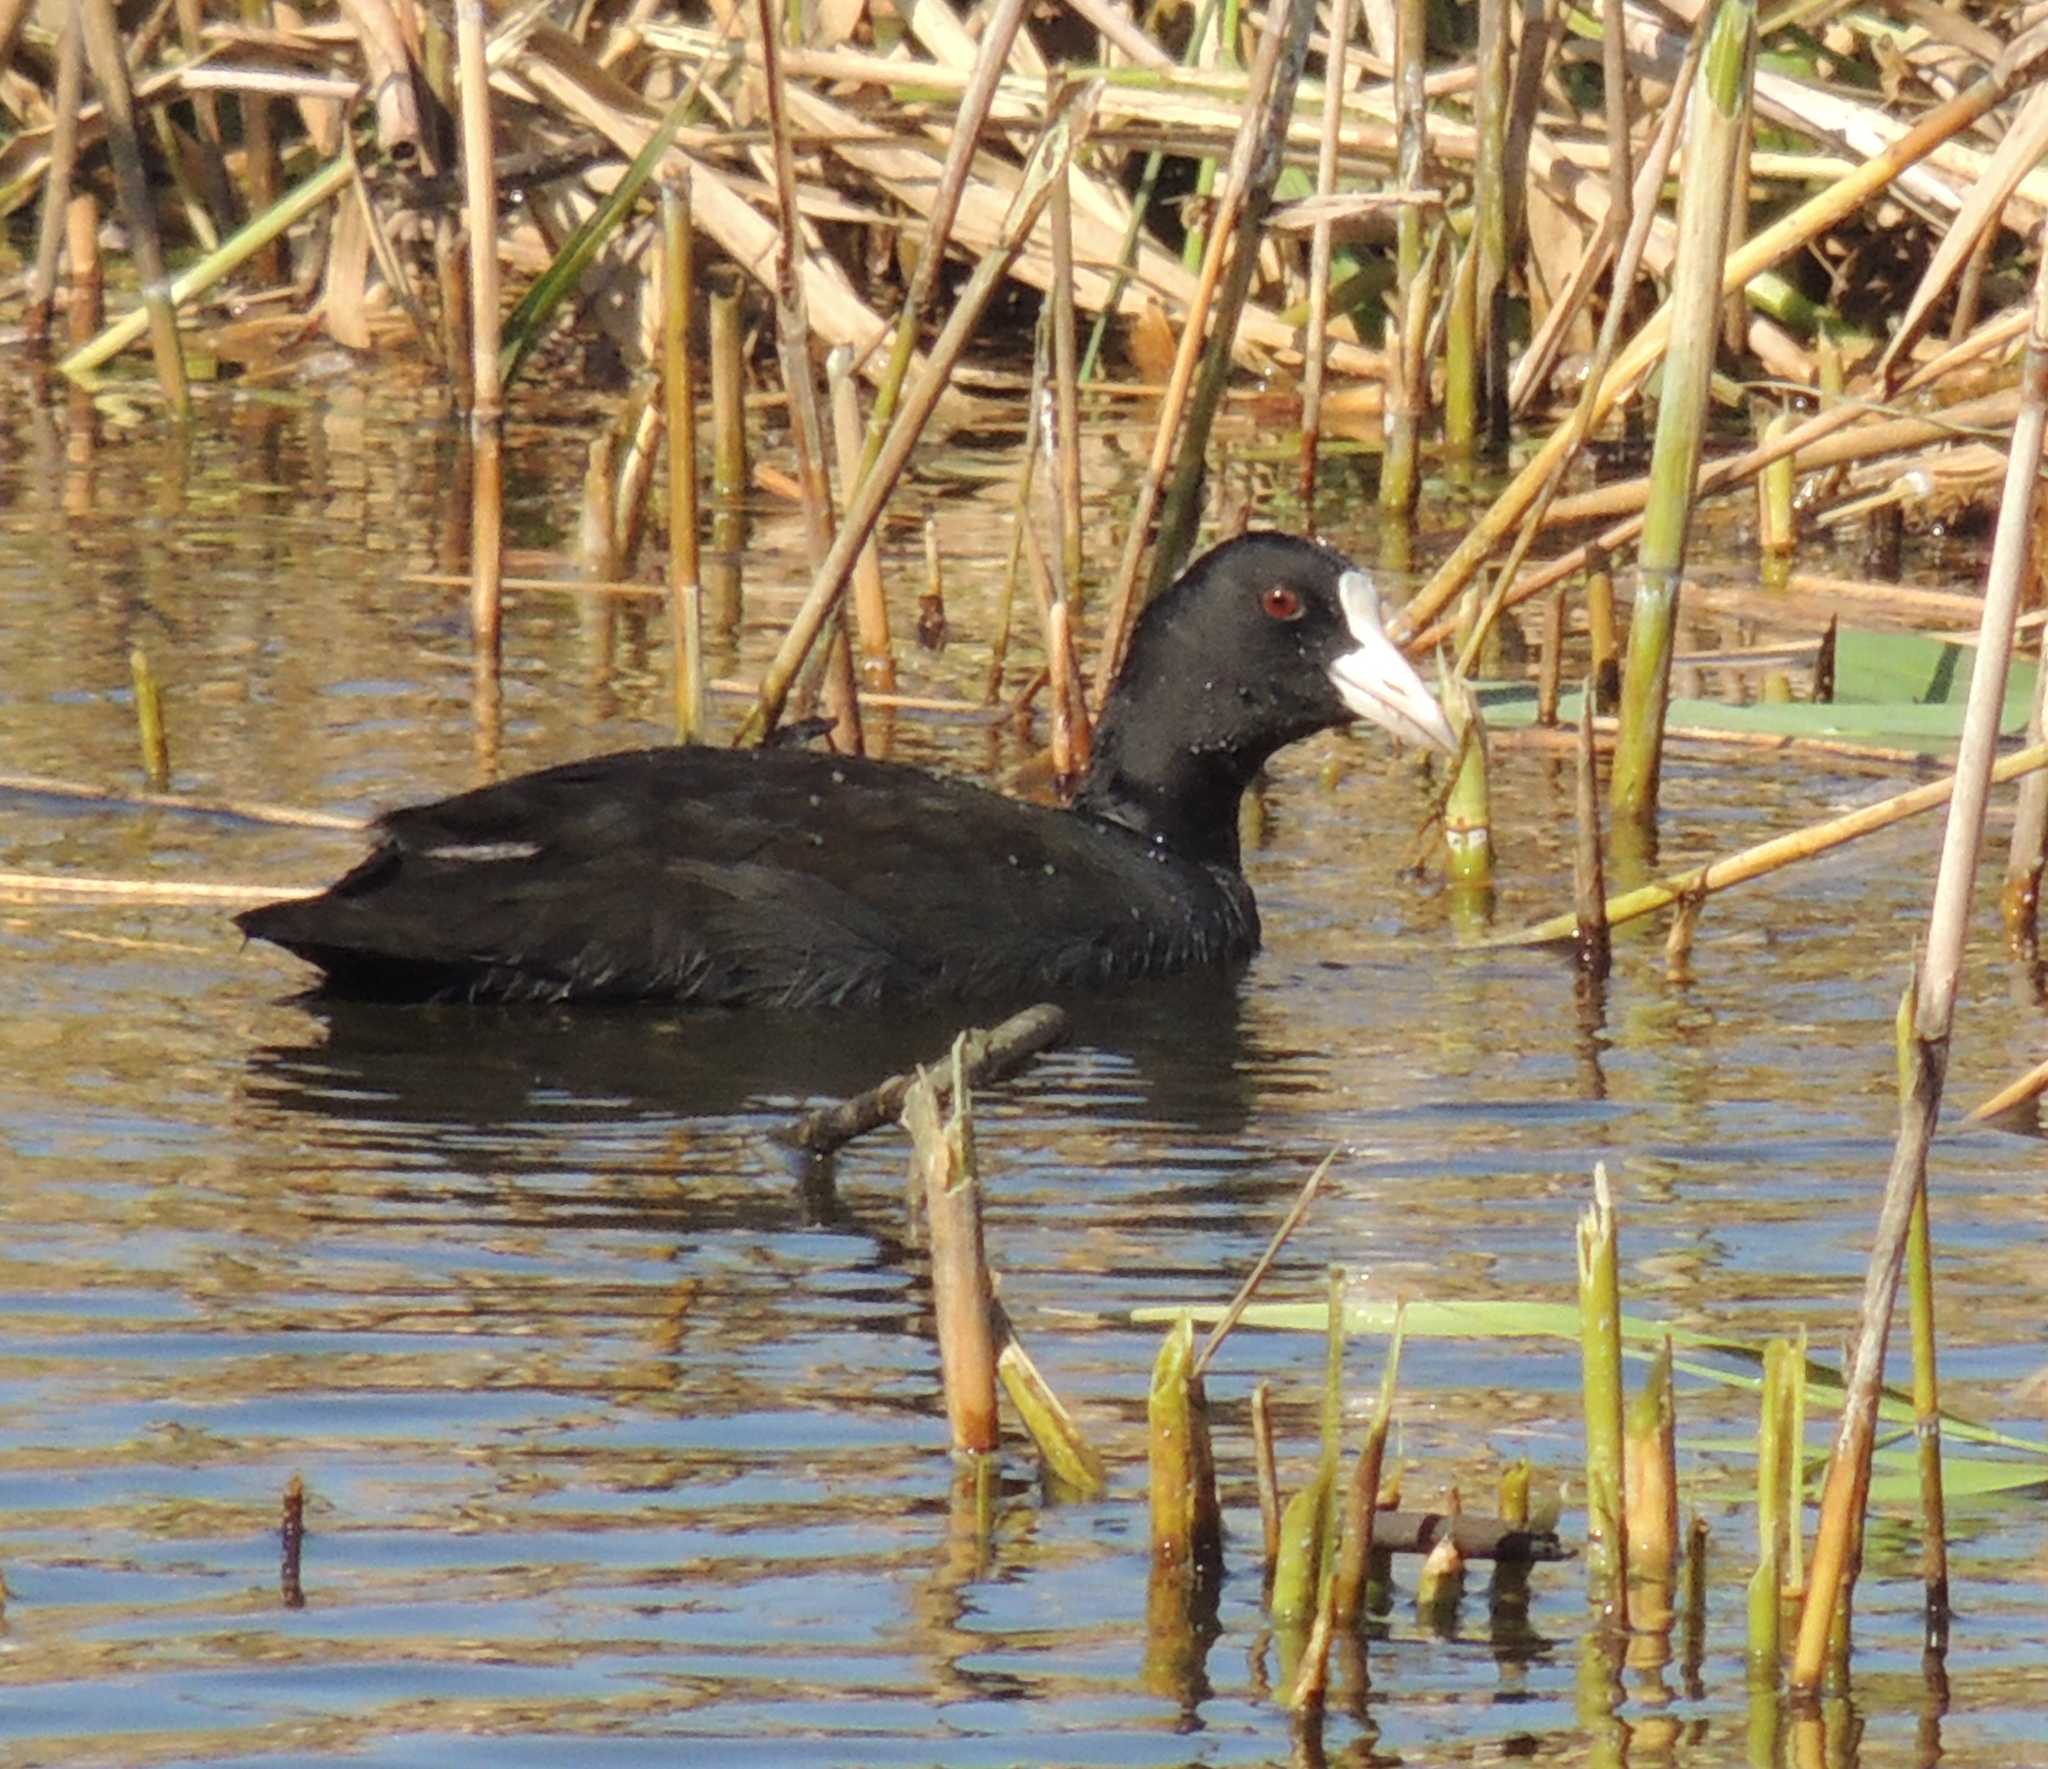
<point x="1151" y="776"/>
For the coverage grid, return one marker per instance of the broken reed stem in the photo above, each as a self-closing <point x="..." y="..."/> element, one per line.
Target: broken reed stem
<point x="1651" y="1454"/>
<point x="1591" y="940"/>
<point x="262" y="176"/>
<point x="1600" y="1360"/>
<point x="963" y="1299"/>
<point x="1616" y="98"/>
<point x="1490" y="224"/>
<point x="1354" y="1560"/>
<point x="1296" y="1212"/>
<point x="1313" y="1676"/>
<point x="641" y="426"/>
<point x="1320" y="247"/>
<point x="792" y="320"/>
<point x="1224" y="245"/>
<point x="1265" y="1470"/>
<point x="1550" y="671"/>
<point x="1049" y="156"/>
<point x="1719" y="112"/>
<point x="1579" y="424"/>
<point x="1254" y="170"/>
<point x="98" y="347"/>
<point x="800" y="384"/>
<point x="991" y="54"/>
<point x="679" y="388"/>
<point x="486" y="589"/>
<point x="56" y="194"/>
<point x="1065" y="418"/>
<point x="1468" y="817"/>
<point x="1926" y="1380"/>
<point x="131" y="189"/>
<point x="2020" y="900"/>
<point x="729" y="472"/>
<point x="149" y="719"/>
<point x="1070" y="1461"/>
<point x="480" y="213"/>
<point x="1768" y="856"/>
<point x="1776" y="1455"/>
<point x="1187" y="1522"/>
<point x="1407" y="391"/>
<point x="85" y="289"/>
<point x="870" y="598"/>
<point x="1925" y="1065"/>
<point x="1073" y="738"/>
<point x="1777" y="516"/>
<point x="291" y="1545"/>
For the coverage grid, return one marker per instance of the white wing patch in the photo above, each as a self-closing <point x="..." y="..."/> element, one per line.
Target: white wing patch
<point x="480" y="852"/>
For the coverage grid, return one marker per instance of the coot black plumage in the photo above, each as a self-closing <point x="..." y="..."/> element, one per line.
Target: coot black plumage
<point x="752" y="878"/>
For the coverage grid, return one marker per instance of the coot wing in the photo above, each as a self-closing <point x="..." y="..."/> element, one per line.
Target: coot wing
<point x="749" y="878"/>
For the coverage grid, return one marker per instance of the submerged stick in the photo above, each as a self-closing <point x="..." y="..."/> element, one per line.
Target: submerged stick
<point x="983" y="1055"/>
<point x="291" y="1545"/>
<point x="41" y="886"/>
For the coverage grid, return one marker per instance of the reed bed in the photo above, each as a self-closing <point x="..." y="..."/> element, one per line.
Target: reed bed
<point x="1813" y="230"/>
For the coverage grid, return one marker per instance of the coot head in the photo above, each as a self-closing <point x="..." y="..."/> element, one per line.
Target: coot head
<point x="1265" y="640"/>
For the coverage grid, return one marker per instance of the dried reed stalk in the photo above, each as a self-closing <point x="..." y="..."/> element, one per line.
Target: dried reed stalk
<point x="963" y="1299"/>
<point x="1270" y="99"/>
<point x="1924" y="1064"/>
<point x="480" y="204"/>
<point x="1798" y="227"/>
<point x="1049" y="157"/>
<point x="1320" y="249"/>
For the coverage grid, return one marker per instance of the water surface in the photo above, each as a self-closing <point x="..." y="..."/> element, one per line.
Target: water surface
<point x="620" y="1431"/>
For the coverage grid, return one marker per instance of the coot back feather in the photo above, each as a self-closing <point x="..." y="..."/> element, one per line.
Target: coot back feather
<point x="789" y="878"/>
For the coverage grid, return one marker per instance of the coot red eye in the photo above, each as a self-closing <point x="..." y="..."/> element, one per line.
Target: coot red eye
<point x="1281" y="602"/>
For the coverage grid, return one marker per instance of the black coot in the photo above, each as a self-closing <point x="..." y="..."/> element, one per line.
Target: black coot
<point x="789" y="878"/>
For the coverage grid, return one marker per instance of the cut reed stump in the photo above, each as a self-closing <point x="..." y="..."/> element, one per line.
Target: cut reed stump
<point x="963" y="1299"/>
